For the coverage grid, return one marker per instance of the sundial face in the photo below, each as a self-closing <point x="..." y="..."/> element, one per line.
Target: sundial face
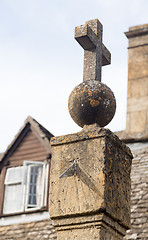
<point x="78" y="193"/>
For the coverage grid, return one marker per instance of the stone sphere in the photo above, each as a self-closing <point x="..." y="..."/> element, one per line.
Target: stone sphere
<point x="92" y="102"/>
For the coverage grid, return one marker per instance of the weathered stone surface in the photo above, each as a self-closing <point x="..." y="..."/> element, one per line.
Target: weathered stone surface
<point x="137" y="42"/>
<point x="92" y="102"/>
<point x="138" y="88"/>
<point x="100" y="185"/>
<point x="136" y="121"/>
<point x="93" y="227"/>
<point x="139" y="192"/>
<point x="29" y="231"/>
<point x="137" y="103"/>
<point x="138" y="69"/>
<point x="136" y="31"/>
<point x="96" y="55"/>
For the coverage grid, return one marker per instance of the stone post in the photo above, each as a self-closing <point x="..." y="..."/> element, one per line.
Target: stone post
<point x="94" y="203"/>
<point x="90" y="170"/>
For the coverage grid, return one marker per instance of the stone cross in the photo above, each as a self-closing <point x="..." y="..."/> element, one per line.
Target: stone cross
<point x="89" y="195"/>
<point x="96" y="55"/>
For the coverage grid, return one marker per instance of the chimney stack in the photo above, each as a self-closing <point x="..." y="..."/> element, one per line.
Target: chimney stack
<point x="137" y="101"/>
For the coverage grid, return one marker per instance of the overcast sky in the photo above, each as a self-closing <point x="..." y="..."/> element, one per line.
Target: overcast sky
<point x="41" y="62"/>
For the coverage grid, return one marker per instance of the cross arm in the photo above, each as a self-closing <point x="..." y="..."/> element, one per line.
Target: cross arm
<point x="86" y="37"/>
<point x="106" y="56"/>
<point x="96" y="55"/>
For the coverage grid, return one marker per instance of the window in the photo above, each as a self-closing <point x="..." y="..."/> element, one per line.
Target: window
<point x="25" y="187"/>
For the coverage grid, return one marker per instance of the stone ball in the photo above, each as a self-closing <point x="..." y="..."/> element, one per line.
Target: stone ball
<point x="92" y="102"/>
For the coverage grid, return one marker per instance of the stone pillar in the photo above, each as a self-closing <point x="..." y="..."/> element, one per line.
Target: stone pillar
<point x="90" y="171"/>
<point x="137" y="102"/>
<point x="94" y="201"/>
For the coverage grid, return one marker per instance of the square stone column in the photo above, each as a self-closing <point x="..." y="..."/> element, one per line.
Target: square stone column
<point x="92" y="198"/>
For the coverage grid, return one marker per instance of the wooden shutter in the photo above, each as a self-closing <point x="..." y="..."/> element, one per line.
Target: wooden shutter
<point x="13" y="190"/>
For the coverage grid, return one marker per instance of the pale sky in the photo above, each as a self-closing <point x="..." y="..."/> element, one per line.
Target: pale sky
<point x="41" y="62"/>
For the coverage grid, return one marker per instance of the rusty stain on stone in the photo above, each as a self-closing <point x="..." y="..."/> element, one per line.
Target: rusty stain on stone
<point x="94" y="103"/>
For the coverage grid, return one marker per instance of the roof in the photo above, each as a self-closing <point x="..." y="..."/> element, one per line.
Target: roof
<point x="133" y="137"/>
<point x="30" y="123"/>
<point x="138" y="144"/>
<point x="139" y="192"/>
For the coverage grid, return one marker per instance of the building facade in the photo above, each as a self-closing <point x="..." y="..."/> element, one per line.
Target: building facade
<point x="24" y="185"/>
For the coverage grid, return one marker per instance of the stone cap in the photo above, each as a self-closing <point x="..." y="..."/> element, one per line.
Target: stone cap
<point x="137" y="31"/>
<point x="88" y="132"/>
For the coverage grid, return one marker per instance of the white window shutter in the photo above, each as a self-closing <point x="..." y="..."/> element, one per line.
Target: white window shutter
<point x="13" y="190"/>
<point x="14" y="175"/>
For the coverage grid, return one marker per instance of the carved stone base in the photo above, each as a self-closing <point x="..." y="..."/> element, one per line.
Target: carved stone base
<point x="97" y="226"/>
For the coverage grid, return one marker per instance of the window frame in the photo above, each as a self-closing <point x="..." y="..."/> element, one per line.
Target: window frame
<point x="26" y="190"/>
<point x="44" y="193"/>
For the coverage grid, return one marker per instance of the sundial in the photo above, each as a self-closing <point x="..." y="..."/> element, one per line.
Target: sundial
<point x="73" y="184"/>
<point x="90" y="169"/>
<point x="77" y="165"/>
<point x="92" y="101"/>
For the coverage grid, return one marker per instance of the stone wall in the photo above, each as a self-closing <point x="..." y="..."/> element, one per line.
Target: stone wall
<point x="139" y="194"/>
<point x="29" y="231"/>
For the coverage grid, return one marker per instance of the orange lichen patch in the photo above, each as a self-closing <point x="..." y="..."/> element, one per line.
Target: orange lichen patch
<point x="114" y="201"/>
<point x="94" y="103"/>
<point x="109" y="151"/>
<point x="111" y="163"/>
<point x="110" y="189"/>
<point x="90" y="93"/>
<point x="110" y="180"/>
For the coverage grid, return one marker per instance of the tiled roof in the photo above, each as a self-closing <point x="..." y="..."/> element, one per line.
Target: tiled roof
<point x="139" y="193"/>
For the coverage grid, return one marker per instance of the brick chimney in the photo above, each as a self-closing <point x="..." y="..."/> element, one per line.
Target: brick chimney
<point x="137" y="101"/>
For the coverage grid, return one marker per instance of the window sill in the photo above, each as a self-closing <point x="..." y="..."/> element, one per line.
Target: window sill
<point x="24" y="218"/>
<point x="25" y="212"/>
